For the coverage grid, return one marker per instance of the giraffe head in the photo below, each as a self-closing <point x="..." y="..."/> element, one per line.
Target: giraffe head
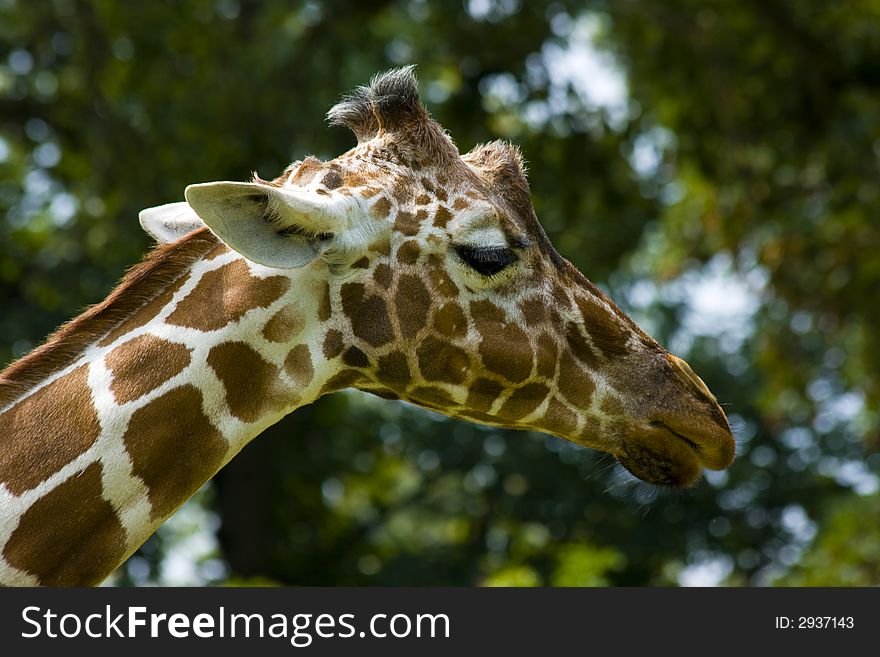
<point x="438" y="286"/>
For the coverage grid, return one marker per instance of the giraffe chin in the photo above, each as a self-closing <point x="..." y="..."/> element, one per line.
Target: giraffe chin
<point x="661" y="457"/>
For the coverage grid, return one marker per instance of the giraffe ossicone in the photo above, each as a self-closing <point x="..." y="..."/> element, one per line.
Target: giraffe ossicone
<point x="400" y="268"/>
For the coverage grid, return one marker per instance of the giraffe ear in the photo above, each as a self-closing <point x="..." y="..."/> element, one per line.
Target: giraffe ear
<point x="274" y="226"/>
<point x="169" y="222"/>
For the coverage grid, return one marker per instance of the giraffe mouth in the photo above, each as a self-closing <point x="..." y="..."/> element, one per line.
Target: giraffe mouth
<point x="674" y="454"/>
<point x="713" y="444"/>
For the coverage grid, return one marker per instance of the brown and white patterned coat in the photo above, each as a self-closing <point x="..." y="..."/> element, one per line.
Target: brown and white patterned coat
<point x="401" y="268"/>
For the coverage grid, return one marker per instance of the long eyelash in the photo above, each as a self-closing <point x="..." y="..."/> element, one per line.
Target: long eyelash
<point x="488" y="260"/>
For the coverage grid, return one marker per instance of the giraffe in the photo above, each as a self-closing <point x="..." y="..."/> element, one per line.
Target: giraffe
<point x="401" y="268"/>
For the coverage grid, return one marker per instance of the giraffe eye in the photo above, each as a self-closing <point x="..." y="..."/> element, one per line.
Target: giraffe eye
<point x="486" y="260"/>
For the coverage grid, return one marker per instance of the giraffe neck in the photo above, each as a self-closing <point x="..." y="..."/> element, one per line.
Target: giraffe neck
<point x="96" y="455"/>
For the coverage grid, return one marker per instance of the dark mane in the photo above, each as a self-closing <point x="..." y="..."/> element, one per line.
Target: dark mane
<point x="162" y="267"/>
<point x="391" y="104"/>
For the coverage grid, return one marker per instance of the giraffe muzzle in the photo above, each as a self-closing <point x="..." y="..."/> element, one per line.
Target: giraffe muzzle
<point x="684" y="433"/>
<point x="700" y="420"/>
<point x="669" y="453"/>
<point x="713" y="446"/>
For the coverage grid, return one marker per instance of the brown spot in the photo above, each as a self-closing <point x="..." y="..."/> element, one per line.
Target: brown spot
<point x="423" y="199"/>
<point x="559" y="419"/>
<point x="332" y="179"/>
<point x="441" y="194"/>
<point x="284" y="325"/>
<point x="354" y="357"/>
<point x="354" y="179"/>
<point x="380" y="208"/>
<point x="441" y="361"/>
<point x="367" y="313"/>
<point x="409" y="252"/>
<point x="382" y="246"/>
<point x="534" y="311"/>
<point x="47" y="430"/>
<point x="487" y="312"/>
<point x="523" y="401"/>
<point x="428" y="184"/>
<point x="307" y="171"/>
<point x="450" y="320"/>
<point x="560" y="294"/>
<point x="439" y="279"/>
<point x="412" y="303"/>
<point x="460" y="204"/>
<point x="442" y="217"/>
<point x="332" y="344"/>
<point x="324" y="305"/>
<point x="431" y="397"/>
<point x="611" y="406"/>
<point x="505" y="350"/>
<point x="605" y="331"/>
<point x="382" y="275"/>
<point x="393" y="370"/>
<point x="143" y="316"/>
<point x="252" y="385"/>
<point x="361" y="263"/>
<point x="547" y="355"/>
<point x="298" y="366"/>
<point x="342" y="380"/>
<point x="482" y="393"/>
<point x="406" y="223"/>
<point x="143" y="364"/>
<point x="402" y="190"/>
<point x="580" y="348"/>
<point x="173" y="446"/>
<point x="224" y="295"/>
<point x="70" y="536"/>
<point x="421" y="215"/>
<point x="573" y="382"/>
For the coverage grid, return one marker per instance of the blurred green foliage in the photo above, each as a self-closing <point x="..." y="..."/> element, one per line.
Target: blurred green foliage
<point x="848" y="551"/>
<point x="727" y="197"/>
